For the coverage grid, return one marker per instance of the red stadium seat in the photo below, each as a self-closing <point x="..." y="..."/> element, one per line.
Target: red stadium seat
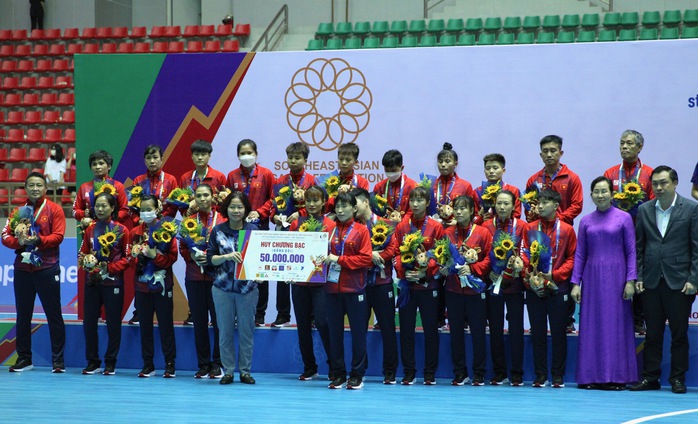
<point x="194" y="47"/>
<point x="68" y="117"/>
<point x="138" y="32"/>
<point x="8" y="66"/>
<point x="125" y="48"/>
<point x="66" y="99"/>
<point x="4" y="195"/>
<point x="65" y="196"/>
<point x="19" y="34"/>
<point x="23" y="50"/>
<point x="7" y="50"/>
<point x="56" y="50"/>
<point x="48" y="99"/>
<point x="224" y="30"/>
<point x="69" y="176"/>
<point x="25" y="66"/>
<point x="71" y="65"/>
<point x="65" y="81"/>
<point x="157" y="32"/>
<point x="160" y="47"/>
<point x="191" y="31"/>
<point x="30" y="99"/>
<point x="52" y="34"/>
<point x="10" y="83"/>
<point x="70" y="34"/>
<point x="103" y="33"/>
<point x="242" y="30"/>
<point x="45" y="83"/>
<point x="4" y="177"/>
<point x="34" y="135"/>
<point x="17" y="154"/>
<point x="74" y="49"/>
<point x="5" y="34"/>
<point x="175" y="47"/>
<point x="28" y="83"/>
<point x="207" y="31"/>
<point x="3" y="155"/>
<point x="43" y="65"/>
<point x="173" y="31"/>
<point x="37" y="154"/>
<point x="14" y="117"/>
<point x="142" y="48"/>
<point x="36" y="35"/>
<point x="12" y="100"/>
<point x="109" y="48"/>
<point x="59" y="65"/>
<point x="39" y="50"/>
<point x="50" y="117"/>
<point x="20" y="195"/>
<point x="90" y="48"/>
<point x="2" y="117"/>
<point x="32" y="117"/>
<point x="231" y="46"/>
<point x="212" y="46"/>
<point x="53" y="135"/>
<point x="89" y="33"/>
<point x="119" y="32"/>
<point x="69" y="135"/>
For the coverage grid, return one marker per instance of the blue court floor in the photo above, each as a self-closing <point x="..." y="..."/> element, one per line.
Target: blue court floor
<point x="38" y="396"/>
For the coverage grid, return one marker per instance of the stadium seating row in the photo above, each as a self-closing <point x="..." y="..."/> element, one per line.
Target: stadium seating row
<point x="36" y="117"/>
<point x="193" y="46"/>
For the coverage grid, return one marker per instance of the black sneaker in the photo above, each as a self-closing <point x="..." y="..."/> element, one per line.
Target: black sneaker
<point x="109" y="369"/>
<point x="409" y="378"/>
<point x="640" y="328"/>
<point x="134" y="319"/>
<point x="308" y="375"/>
<point x="227" y="379"/>
<point x="460" y="380"/>
<point x="540" y="381"/>
<point x="558" y="382"/>
<point x="281" y="322"/>
<point x="58" y="367"/>
<point x="571" y="329"/>
<point x="247" y="379"/>
<point x="429" y="378"/>
<point x="478" y="380"/>
<point x="147" y="371"/>
<point x="499" y="379"/>
<point x="338" y="382"/>
<point x="203" y="372"/>
<point x="92" y="367"/>
<point x="169" y="370"/>
<point x="355" y="383"/>
<point x="259" y="322"/>
<point x="216" y="372"/>
<point x="516" y="380"/>
<point x="187" y="321"/>
<point x="22" y="365"/>
<point x="389" y="378"/>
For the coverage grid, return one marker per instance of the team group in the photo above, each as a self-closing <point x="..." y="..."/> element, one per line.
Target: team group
<point x="459" y="253"/>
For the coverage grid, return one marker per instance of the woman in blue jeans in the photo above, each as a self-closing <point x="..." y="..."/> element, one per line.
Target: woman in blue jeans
<point x="235" y="300"/>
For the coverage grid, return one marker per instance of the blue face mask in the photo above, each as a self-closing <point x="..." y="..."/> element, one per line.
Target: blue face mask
<point x="149" y="216"/>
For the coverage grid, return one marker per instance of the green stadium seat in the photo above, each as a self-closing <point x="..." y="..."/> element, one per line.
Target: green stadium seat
<point x="551" y="22"/>
<point x="486" y="39"/>
<point x="651" y="18"/>
<point x="525" y="38"/>
<point x="669" y="34"/>
<point x="466" y="39"/>
<point x="436" y="26"/>
<point x="390" y="42"/>
<point x="408" y="41"/>
<point x="473" y="24"/>
<point x="531" y="23"/>
<point x="629" y="19"/>
<point x="649" y="34"/>
<point x="565" y="37"/>
<point x="690" y="17"/>
<point x="417" y="26"/>
<point x="571" y="21"/>
<point x="447" y="40"/>
<point x="505" y="38"/>
<point x="380" y="27"/>
<point x="607" y="35"/>
<point x="362" y="28"/>
<point x="343" y="28"/>
<point x="334" y="44"/>
<point x="314" y="45"/>
<point x="611" y="20"/>
<point x="427" y="40"/>
<point x="588" y="36"/>
<point x="352" y="43"/>
<point x="493" y="24"/>
<point x="512" y="23"/>
<point x="545" y="37"/>
<point x="371" y="43"/>
<point x="455" y="25"/>
<point x="590" y="20"/>
<point x="689" y="32"/>
<point x="671" y="18"/>
<point x="627" y="35"/>
<point x="398" y="27"/>
<point x="325" y="29"/>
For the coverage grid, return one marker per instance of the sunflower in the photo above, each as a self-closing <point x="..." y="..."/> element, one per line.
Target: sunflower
<point x="169" y="227"/>
<point x="409" y="239"/>
<point x="136" y="191"/>
<point x="135" y="202"/>
<point x="110" y="236"/>
<point x="278" y="199"/>
<point x="190" y="224"/>
<point x="535" y="247"/>
<point x="500" y="253"/>
<point x="183" y="197"/>
<point x="281" y="205"/>
<point x="632" y="189"/>
<point x="404" y="248"/>
<point x="439" y="251"/>
<point x="165" y="237"/>
<point x="507" y="244"/>
<point x="407" y="258"/>
<point x="333" y="180"/>
<point x="103" y="241"/>
<point x="380" y="200"/>
<point x="531" y="195"/>
<point x="157" y="237"/>
<point x="303" y="228"/>
<point x="380" y="229"/>
<point x="486" y="196"/>
<point x="104" y="251"/>
<point x="492" y="189"/>
<point x="106" y="188"/>
<point x="378" y="239"/>
<point x="284" y="191"/>
<point x="620" y="196"/>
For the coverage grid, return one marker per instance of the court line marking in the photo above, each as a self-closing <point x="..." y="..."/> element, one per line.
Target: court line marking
<point x="654" y="417"/>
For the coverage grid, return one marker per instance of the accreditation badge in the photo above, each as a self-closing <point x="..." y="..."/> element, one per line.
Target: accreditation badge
<point x="333" y="272"/>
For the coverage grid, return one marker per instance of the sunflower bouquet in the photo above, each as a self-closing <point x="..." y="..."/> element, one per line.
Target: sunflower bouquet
<point x="381" y="234"/>
<point x="135" y="195"/>
<point x="330" y="183"/>
<point x="159" y="237"/>
<point x="180" y="197"/>
<point x="22" y="225"/>
<point x="409" y="248"/>
<point x="442" y="253"/>
<point x="310" y="224"/>
<point x="428" y="181"/>
<point x="530" y="197"/>
<point x="95" y="263"/>
<point x="379" y="205"/>
<point x="283" y="201"/>
<point x="503" y="248"/>
<point x="629" y="197"/>
<point x="104" y="186"/>
<point x="489" y="193"/>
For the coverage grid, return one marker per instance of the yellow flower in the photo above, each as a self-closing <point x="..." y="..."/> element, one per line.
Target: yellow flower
<point x="169" y="227"/>
<point x="381" y="200"/>
<point x="281" y="205"/>
<point x="104" y="251"/>
<point x="157" y="237"/>
<point x="409" y="239"/>
<point x="103" y="241"/>
<point x="190" y="224"/>
<point x="619" y="196"/>
<point x="535" y="247"/>
<point x="284" y="191"/>
<point x="136" y="191"/>
<point x="135" y="202"/>
<point x="333" y="180"/>
<point x="486" y="196"/>
<point x="379" y="229"/>
<point x="407" y="258"/>
<point x="507" y="244"/>
<point x="303" y="228"/>
<point x="530" y="195"/>
<point x="165" y="237"/>
<point x="500" y="253"/>
<point x="378" y="239"/>
<point x="183" y="198"/>
<point x="439" y="251"/>
<point x="110" y="237"/>
<point x="404" y="248"/>
<point x="492" y="189"/>
<point x="632" y="189"/>
<point x="278" y="199"/>
<point x="106" y="188"/>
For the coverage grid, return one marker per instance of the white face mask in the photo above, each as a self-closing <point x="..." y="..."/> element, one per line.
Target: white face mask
<point x="149" y="216"/>
<point x="247" y="160"/>
<point x="393" y="176"/>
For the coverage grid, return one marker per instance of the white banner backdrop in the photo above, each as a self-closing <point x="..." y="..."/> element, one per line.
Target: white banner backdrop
<point x="480" y="99"/>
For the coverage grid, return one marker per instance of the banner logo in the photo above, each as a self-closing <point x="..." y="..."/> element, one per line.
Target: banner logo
<point x="328" y="103"/>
